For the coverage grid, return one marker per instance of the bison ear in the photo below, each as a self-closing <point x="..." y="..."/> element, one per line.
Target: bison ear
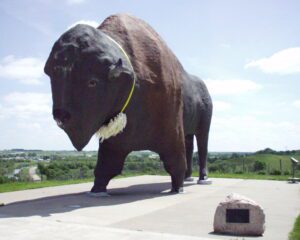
<point x="118" y="71"/>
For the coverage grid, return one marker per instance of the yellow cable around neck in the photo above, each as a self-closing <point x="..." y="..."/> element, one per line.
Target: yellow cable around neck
<point x="134" y="78"/>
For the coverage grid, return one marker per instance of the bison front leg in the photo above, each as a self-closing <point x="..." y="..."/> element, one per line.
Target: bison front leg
<point x="110" y="164"/>
<point x="175" y="165"/>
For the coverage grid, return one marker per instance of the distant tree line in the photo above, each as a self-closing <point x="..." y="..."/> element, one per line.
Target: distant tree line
<point x="271" y="151"/>
<point x="84" y="168"/>
<point x="73" y="166"/>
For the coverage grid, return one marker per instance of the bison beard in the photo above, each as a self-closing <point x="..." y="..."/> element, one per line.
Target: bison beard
<point x="166" y="110"/>
<point x="114" y="127"/>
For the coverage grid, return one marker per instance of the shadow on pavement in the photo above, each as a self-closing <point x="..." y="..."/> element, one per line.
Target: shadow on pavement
<point x="234" y="236"/>
<point x="46" y="206"/>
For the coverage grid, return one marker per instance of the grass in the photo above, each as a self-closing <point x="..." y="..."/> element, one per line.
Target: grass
<point x="17" y="186"/>
<point x="295" y="233"/>
<point x="272" y="161"/>
<point x="273" y="164"/>
<point x="248" y="176"/>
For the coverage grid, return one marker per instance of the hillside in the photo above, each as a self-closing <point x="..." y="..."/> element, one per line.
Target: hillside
<point x="266" y="163"/>
<point x="64" y="167"/>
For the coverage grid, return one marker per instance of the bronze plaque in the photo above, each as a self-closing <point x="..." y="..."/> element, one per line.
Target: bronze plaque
<point x="237" y="215"/>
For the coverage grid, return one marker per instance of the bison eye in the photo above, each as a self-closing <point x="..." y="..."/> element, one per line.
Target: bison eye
<point x="92" y="83"/>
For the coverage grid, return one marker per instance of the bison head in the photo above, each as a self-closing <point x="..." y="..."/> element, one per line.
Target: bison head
<point x="90" y="81"/>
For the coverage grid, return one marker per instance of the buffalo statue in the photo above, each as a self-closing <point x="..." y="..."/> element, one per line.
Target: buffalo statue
<point x="121" y="82"/>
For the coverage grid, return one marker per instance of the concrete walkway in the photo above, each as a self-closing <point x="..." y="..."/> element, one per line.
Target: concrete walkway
<point x="141" y="208"/>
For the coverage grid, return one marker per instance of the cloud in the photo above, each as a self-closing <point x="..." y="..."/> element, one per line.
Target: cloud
<point x="231" y="86"/>
<point x="221" y="106"/>
<point x="26" y="70"/>
<point x="286" y="61"/>
<point x="296" y="103"/>
<point x="26" y="122"/>
<point x="86" y="22"/>
<point x="249" y="133"/>
<point x="225" y="45"/>
<point x="26" y="105"/>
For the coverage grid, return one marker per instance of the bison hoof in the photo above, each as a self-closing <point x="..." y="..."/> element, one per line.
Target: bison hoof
<point x="206" y="181"/>
<point x="98" y="194"/>
<point x="176" y="191"/>
<point x="189" y="179"/>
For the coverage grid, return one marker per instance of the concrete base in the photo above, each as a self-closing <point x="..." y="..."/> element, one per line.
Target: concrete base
<point x="189" y="179"/>
<point x="141" y="208"/>
<point x="207" y="181"/>
<point x="294" y="180"/>
<point x="98" y="194"/>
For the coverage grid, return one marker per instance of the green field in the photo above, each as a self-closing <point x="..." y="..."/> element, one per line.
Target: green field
<point x="295" y="233"/>
<point x="62" y="168"/>
<point x="274" y="164"/>
<point x="248" y="176"/>
<point x="273" y="161"/>
<point x="17" y="186"/>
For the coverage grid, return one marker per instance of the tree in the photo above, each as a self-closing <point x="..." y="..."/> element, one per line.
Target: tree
<point x="32" y="154"/>
<point x="234" y="156"/>
<point x="259" y="166"/>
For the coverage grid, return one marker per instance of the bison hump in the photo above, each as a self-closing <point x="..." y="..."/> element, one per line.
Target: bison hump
<point x="151" y="58"/>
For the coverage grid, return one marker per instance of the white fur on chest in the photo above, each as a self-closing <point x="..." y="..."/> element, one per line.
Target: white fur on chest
<point x="115" y="126"/>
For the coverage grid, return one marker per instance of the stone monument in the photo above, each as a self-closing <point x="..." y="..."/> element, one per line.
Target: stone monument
<point x="239" y="215"/>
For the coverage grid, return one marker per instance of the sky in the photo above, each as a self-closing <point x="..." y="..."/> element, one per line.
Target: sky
<point x="247" y="52"/>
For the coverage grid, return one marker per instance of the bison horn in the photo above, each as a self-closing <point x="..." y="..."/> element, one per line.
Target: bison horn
<point x="117" y="69"/>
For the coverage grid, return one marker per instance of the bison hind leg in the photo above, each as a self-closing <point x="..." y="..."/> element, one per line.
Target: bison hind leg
<point x="189" y="148"/>
<point x="202" y="142"/>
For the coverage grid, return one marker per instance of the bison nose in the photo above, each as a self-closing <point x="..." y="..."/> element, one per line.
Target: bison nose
<point x="61" y="116"/>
